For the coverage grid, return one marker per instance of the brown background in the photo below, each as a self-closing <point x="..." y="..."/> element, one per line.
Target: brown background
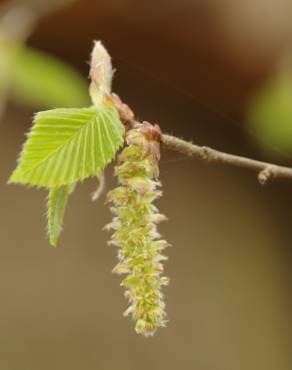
<point x="191" y="66"/>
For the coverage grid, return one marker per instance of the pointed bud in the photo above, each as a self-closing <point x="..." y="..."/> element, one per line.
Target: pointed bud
<point x="101" y="74"/>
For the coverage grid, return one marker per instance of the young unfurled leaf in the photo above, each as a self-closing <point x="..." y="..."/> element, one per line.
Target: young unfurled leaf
<point x="69" y="145"/>
<point x="58" y="198"/>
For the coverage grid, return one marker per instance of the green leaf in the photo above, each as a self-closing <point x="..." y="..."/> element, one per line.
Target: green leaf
<point x="42" y="81"/>
<point x="69" y="145"/>
<point x="57" y="203"/>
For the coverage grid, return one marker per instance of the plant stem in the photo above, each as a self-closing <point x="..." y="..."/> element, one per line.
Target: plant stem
<point x="266" y="171"/>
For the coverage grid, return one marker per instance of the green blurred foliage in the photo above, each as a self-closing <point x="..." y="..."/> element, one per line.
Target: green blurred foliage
<point x="42" y="81"/>
<point x="36" y="79"/>
<point x="8" y="55"/>
<point x="270" y="116"/>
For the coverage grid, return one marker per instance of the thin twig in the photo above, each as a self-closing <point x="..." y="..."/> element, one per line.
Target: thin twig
<point x="266" y="171"/>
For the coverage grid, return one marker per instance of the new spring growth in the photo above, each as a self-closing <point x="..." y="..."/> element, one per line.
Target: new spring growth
<point x="101" y="74"/>
<point x="135" y="228"/>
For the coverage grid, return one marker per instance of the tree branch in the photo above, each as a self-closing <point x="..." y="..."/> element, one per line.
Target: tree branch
<point x="266" y="171"/>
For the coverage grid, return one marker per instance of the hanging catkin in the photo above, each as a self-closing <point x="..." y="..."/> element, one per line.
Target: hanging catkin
<point x="135" y="227"/>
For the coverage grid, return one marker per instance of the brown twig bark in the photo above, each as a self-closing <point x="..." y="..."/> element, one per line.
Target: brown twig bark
<point x="265" y="170"/>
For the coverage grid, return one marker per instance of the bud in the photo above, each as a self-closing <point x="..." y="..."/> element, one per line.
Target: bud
<point x="101" y="74"/>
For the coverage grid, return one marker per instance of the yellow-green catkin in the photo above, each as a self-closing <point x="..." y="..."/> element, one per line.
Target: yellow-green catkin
<point x="135" y="228"/>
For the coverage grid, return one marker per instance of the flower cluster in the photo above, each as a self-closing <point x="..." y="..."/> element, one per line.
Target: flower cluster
<point x="135" y="227"/>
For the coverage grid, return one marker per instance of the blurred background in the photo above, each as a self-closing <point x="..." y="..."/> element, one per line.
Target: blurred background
<point x="215" y="72"/>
